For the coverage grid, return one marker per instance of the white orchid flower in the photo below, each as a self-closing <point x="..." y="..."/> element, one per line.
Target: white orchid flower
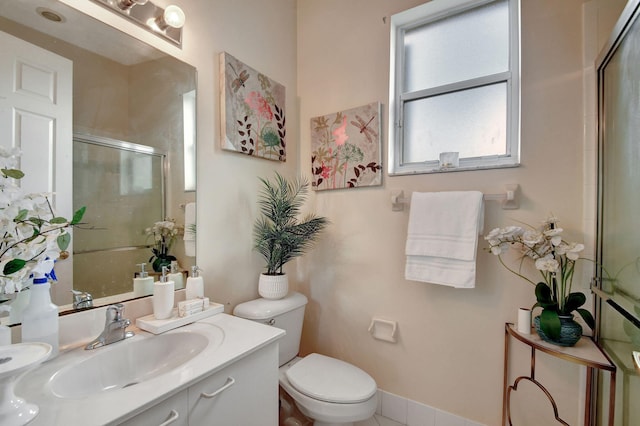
<point x="574" y="250"/>
<point x="500" y="249"/>
<point x="548" y="264"/>
<point x="554" y="235"/>
<point x="532" y="238"/>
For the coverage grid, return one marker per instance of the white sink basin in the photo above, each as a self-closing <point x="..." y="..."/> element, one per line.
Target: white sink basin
<point x="129" y="362"/>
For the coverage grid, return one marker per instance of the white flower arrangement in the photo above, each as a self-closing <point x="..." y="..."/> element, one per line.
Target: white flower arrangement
<point x="31" y="232"/>
<point x="164" y="234"/>
<point x="555" y="259"/>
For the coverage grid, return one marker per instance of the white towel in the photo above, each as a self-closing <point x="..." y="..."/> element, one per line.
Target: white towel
<point x="442" y="237"/>
<point x="189" y="227"/>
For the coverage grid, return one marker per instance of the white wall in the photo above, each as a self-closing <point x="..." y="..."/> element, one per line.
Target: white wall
<point x="450" y="350"/>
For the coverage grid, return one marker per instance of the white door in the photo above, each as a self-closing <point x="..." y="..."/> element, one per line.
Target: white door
<point x="36" y="116"/>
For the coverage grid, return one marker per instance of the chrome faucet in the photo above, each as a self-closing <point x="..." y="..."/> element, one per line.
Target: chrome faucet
<point x="114" y="328"/>
<point x="82" y="299"/>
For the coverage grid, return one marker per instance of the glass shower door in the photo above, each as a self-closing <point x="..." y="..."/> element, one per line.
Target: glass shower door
<point x="122" y="186"/>
<point x="618" y="270"/>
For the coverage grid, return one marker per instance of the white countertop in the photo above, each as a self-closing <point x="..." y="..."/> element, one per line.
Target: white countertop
<point x="241" y="337"/>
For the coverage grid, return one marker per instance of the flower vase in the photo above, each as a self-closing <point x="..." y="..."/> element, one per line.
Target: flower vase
<point x="570" y="331"/>
<point x="162" y="260"/>
<point x="273" y="286"/>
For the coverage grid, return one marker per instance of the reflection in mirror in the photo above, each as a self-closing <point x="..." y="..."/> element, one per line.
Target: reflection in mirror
<point x="127" y="97"/>
<point x="122" y="184"/>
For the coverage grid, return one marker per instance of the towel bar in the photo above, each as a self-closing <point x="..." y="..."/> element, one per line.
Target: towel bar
<point x="509" y="198"/>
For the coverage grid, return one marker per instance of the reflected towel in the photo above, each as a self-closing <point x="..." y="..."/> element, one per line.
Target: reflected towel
<point x="190" y="229"/>
<point x="442" y="237"/>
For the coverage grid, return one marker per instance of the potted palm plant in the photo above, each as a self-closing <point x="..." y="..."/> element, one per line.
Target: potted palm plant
<point x="278" y="233"/>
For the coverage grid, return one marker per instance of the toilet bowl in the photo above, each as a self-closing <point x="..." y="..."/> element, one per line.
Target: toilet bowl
<point x="327" y="390"/>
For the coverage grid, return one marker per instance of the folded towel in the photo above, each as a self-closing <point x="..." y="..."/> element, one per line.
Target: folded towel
<point x="189" y="229"/>
<point x="442" y="237"/>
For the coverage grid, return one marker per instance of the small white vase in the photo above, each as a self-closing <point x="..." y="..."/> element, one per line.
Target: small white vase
<point x="273" y="286"/>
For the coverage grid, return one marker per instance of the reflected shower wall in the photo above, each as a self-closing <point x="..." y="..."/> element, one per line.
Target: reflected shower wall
<point x="122" y="185"/>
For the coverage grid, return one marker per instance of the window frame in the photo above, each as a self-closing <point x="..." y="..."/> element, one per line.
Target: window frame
<point x="431" y="12"/>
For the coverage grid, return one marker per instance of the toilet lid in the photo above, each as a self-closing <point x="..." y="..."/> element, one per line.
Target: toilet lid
<point x="331" y="380"/>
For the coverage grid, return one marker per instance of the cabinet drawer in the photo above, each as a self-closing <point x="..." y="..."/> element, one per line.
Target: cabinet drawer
<point x="170" y="412"/>
<point x="244" y="393"/>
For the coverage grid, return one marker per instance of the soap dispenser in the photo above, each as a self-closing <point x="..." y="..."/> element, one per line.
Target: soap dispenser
<point x="143" y="283"/>
<point x="163" y="297"/>
<point x="176" y="275"/>
<point x="195" y="284"/>
<point x="40" y="317"/>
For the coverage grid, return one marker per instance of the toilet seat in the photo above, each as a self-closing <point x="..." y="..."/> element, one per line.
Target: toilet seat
<point x="330" y="380"/>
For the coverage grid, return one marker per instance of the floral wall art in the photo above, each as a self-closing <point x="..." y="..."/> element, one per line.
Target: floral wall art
<point x="345" y="148"/>
<point x="252" y="111"/>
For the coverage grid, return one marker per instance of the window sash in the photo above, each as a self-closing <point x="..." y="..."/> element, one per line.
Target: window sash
<point x="404" y="21"/>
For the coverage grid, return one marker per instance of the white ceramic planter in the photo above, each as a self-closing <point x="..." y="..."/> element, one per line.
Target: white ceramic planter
<point x="273" y="286"/>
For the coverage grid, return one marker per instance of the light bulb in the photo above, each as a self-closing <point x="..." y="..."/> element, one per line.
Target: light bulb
<point x="174" y="16"/>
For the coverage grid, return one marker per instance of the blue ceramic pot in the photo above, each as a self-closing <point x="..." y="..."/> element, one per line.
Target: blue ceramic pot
<point x="570" y="331"/>
<point x="162" y="260"/>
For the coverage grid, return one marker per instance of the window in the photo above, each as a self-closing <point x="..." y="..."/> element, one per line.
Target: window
<point x="455" y="86"/>
<point x="189" y="117"/>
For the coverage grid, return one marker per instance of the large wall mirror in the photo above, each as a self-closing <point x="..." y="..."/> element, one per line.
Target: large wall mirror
<point x="131" y="138"/>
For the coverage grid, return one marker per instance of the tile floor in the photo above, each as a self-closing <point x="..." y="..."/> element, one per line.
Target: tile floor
<point x="378" y="420"/>
<point x="392" y="410"/>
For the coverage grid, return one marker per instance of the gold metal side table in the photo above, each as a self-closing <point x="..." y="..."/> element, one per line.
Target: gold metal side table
<point x="586" y="352"/>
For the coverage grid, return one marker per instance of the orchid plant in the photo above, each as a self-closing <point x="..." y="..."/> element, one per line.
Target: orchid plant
<point x="164" y="234"/>
<point x="32" y="234"/>
<point x="555" y="259"/>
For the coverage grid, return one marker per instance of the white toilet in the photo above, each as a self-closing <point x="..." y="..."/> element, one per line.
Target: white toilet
<point x="325" y="389"/>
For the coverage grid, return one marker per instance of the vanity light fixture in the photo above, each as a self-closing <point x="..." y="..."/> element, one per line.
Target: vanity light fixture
<point x="166" y="23"/>
<point x="172" y="17"/>
<point x="128" y="4"/>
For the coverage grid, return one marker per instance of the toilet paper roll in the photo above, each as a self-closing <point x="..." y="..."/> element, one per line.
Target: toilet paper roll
<point x="524" y="320"/>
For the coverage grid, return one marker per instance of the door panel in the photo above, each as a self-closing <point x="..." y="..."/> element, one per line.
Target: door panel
<point x="36" y="116"/>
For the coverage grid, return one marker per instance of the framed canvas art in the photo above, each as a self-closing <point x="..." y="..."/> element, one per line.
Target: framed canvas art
<point x="346" y="148"/>
<point x="252" y="111"/>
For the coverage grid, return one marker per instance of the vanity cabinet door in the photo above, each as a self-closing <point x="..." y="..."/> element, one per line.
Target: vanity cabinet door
<point x="244" y="393"/>
<point x="170" y="412"/>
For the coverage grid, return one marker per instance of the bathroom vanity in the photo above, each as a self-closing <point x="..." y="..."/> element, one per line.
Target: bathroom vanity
<point x="219" y="370"/>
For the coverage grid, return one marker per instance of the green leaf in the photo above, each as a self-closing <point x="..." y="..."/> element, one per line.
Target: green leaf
<point x="13" y="173"/>
<point x="550" y="323"/>
<point x="58" y="220"/>
<point x="37" y="221"/>
<point x="14" y="265"/>
<point x="77" y="216"/>
<point x="574" y="301"/>
<point x="63" y="241"/>
<point x="22" y="215"/>
<point x="543" y="296"/>
<point x="588" y="319"/>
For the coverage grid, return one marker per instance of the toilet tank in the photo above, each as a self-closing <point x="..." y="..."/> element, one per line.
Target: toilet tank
<point x="286" y="313"/>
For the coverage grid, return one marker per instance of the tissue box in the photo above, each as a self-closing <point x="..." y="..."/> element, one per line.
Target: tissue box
<point x="192" y="306"/>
